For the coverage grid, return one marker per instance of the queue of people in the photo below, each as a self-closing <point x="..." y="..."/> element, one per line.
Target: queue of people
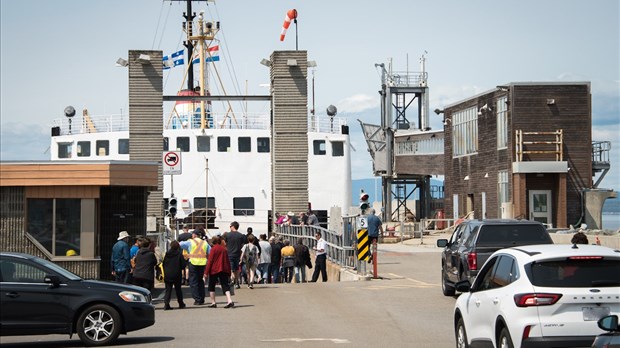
<point x="228" y="260"/>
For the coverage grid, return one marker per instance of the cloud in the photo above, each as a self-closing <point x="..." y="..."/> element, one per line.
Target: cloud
<point x="24" y="142"/>
<point x="358" y="103"/>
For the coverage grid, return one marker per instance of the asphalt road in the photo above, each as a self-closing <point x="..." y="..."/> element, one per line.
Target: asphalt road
<point x="403" y="309"/>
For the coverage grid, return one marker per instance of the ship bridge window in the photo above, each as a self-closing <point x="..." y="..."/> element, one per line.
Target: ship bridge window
<point x="166" y="144"/>
<point x="223" y="144"/>
<point x="199" y="202"/>
<point x="123" y="146"/>
<point x="204" y="143"/>
<point x="64" y="150"/>
<point x="83" y="148"/>
<point x="319" y="147"/>
<point x="337" y="148"/>
<point x="262" y="144"/>
<point x="243" y="206"/>
<point x="103" y="147"/>
<point x="183" y="144"/>
<point x="245" y="144"/>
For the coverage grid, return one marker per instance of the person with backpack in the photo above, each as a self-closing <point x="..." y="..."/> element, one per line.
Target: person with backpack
<point x="174" y="264"/>
<point x="302" y="260"/>
<point x="288" y="261"/>
<point x="249" y="256"/>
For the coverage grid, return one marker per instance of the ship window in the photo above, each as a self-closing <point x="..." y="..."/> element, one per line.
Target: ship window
<point x="103" y="147"/>
<point x="64" y="150"/>
<point x="319" y="147"/>
<point x="262" y="144"/>
<point x="55" y="224"/>
<point x="166" y="142"/>
<point x="199" y="202"/>
<point x="223" y="144"/>
<point x="123" y="146"/>
<point x="243" y="206"/>
<point x="83" y="149"/>
<point x="204" y="143"/>
<point x="337" y="148"/>
<point x="183" y="144"/>
<point x="245" y="144"/>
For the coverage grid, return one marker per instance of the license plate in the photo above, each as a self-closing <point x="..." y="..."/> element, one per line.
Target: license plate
<point x="594" y="313"/>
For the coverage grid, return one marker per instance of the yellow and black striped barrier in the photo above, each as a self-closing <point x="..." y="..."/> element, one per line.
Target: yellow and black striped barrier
<point x="363" y="245"/>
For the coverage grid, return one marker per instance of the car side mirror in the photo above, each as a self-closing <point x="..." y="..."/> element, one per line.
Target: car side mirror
<point x="442" y="243"/>
<point x="53" y="280"/>
<point x="463" y="286"/>
<point x="609" y="323"/>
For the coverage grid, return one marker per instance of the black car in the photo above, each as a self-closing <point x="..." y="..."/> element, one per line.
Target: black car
<point x="38" y="297"/>
<point x="473" y="241"/>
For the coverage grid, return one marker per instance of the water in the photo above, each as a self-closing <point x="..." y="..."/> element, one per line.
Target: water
<point x="611" y="221"/>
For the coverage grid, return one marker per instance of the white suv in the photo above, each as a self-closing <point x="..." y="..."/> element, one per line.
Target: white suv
<point x="539" y="296"/>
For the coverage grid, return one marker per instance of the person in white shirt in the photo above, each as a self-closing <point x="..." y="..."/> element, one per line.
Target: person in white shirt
<point x="321" y="258"/>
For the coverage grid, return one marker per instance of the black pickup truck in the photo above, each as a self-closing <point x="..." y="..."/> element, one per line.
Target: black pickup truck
<point x="473" y="241"/>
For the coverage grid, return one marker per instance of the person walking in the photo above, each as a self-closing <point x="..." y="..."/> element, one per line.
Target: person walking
<point x="234" y="242"/>
<point x="120" y="261"/>
<point x="302" y="259"/>
<point x="174" y="264"/>
<point x="265" y="258"/>
<point x="375" y="226"/>
<point x="144" y="272"/>
<point x="276" y="257"/>
<point x="249" y="256"/>
<point x="197" y="250"/>
<point x="321" y="258"/>
<point x="218" y="269"/>
<point x="288" y="261"/>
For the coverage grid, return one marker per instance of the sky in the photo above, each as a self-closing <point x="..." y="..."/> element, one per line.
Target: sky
<point x="59" y="53"/>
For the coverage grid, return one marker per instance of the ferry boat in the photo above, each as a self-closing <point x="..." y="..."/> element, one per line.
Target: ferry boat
<point x="225" y="159"/>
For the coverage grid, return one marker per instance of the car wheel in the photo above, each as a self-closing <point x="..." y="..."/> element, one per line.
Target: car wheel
<point x="99" y="325"/>
<point x="447" y="289"/>
<point x="504" y="339"/>
<point x="461" y="335"/>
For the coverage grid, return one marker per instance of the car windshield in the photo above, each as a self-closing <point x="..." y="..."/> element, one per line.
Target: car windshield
<point x="576" y="273"/>
<point x="512" y="235"/>
<point x="54" y="267"/>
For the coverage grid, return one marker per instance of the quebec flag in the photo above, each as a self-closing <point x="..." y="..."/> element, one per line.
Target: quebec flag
<point x="174" y="59"/>
<point x="212" y="56"/>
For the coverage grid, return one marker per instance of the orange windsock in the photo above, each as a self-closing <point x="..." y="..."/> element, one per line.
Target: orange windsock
<point x="290" y="15"/>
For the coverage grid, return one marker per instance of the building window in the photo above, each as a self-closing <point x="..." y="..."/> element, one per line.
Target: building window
<point x="245" y="144"/>
<point x="223" y="144"/>
<point x="64" y="150"/>
<point x="243" y="206"/>
<point x="55" y="224"/>
<point x="319" y="147"/>
<point x="166" y="144"/>
<point x="337" y="148"/>
<point x="262" y="144"/>
<point x="502" y="123"/>
<point x="123" y="146"/>
<point x="83" y="148"/>
<point x="503" y="187"/>
<point x="204" y="143"/>
<point x="465" y="132"/>
<point x="103" y="147"/>
<point x="183" y="144"/>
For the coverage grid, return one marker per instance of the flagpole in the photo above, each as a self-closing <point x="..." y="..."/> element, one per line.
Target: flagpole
<point x="296" y="39"/>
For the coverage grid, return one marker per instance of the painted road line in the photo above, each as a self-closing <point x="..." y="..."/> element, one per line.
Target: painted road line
<point x="300" y="340"/>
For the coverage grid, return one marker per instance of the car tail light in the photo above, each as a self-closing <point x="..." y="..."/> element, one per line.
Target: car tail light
<point x="536" y="299"/>
<point x="585" y="258"/>
<point x="472" y="261"/>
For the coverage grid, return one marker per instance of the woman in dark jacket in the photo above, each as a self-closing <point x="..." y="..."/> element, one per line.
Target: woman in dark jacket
<point x="302" y="259"/>
<point x="218" y="268"/>
<point x="144" y="272"/>
<point x="174" y="263"/>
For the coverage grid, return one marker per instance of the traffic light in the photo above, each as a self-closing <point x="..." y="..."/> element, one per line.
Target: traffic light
<point x="364" y="202"/>
<point x="172" y="206"/>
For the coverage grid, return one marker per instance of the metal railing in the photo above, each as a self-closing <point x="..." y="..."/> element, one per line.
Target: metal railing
<point x="600" y="151"/>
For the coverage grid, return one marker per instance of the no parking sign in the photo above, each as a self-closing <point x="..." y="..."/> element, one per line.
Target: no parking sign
<point x="171" y="162"/>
